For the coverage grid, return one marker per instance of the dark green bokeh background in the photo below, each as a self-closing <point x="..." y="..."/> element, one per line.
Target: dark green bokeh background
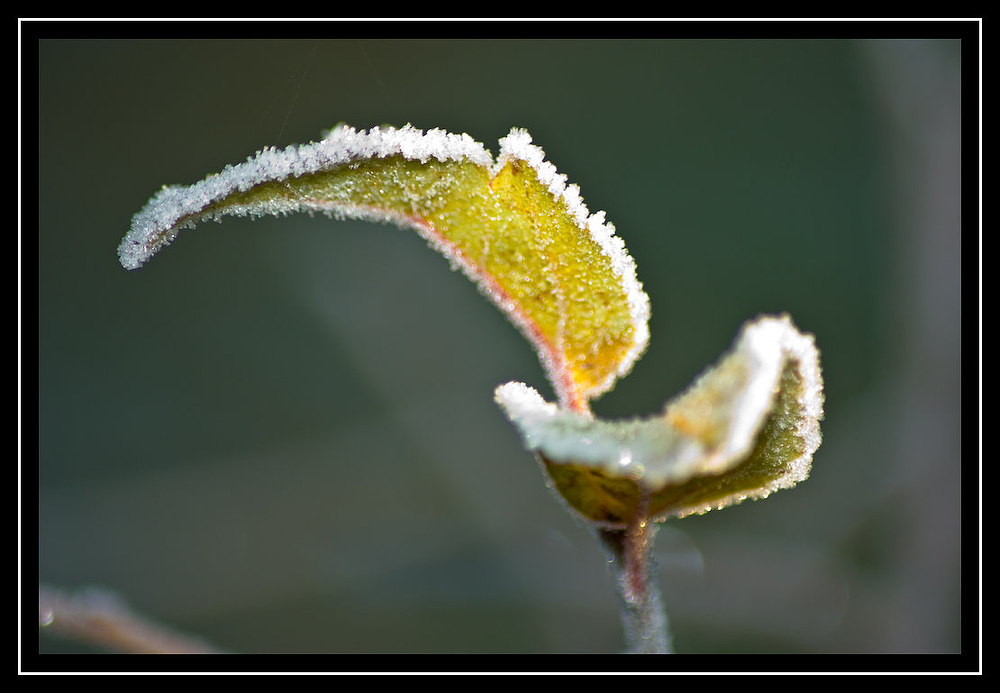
<point x="280" y="434"/>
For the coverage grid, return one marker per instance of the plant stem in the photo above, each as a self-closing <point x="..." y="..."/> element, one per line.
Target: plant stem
<point x="102" y="620"/>
<point x="643" y="615"/>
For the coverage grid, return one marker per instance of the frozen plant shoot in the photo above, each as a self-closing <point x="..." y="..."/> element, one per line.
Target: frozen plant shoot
<point x="747" y="426"/>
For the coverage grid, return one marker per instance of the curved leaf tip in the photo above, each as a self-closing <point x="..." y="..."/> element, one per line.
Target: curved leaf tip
<point x="179" y="206"/>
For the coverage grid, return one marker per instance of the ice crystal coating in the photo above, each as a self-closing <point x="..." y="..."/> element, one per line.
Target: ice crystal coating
<point x="746" y="427"/>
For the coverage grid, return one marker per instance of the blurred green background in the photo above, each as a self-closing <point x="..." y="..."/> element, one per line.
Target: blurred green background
<point x="280" y="434"/>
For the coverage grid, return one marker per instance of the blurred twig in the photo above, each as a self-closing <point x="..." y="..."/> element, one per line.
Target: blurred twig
<point x="100" y="618"/>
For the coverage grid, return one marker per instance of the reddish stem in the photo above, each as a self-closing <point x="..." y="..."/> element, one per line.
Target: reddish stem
<point x="643" y="616"/>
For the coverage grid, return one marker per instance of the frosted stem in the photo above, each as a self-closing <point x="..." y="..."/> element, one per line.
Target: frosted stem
<point x="643" y="615"/>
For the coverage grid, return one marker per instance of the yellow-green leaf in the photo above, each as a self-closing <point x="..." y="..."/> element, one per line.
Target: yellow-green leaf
<point x="513" y="226"/>
<point x="745" y="428"/>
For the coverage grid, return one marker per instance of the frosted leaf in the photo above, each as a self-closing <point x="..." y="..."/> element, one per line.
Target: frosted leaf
<point x="515" y="227"/>
<point x="747" y="426"/>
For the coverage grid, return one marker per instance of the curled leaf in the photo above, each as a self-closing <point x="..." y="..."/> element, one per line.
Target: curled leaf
<point x="747" y="426"/>
<point x="513" y="226"/>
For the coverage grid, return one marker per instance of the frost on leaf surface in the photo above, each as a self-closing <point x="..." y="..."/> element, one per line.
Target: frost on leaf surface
<point x="513" y="225"/>
<point x="746" y="427"/>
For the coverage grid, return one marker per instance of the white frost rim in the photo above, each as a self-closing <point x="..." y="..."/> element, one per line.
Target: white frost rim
<point x="650" y="451"/>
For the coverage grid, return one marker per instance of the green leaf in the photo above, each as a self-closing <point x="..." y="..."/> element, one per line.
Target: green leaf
<point x="513" y="226"/>
<point x="745" y="428"/>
